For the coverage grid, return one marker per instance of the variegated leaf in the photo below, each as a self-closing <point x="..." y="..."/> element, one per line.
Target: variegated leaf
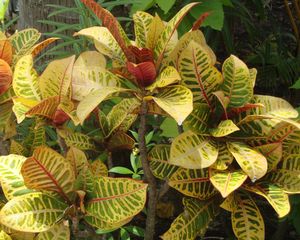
<point x="247" y="222"/>
<point x="227" y="181"/>
<point x="229" y="203"/>
<point x="252" y="162"/>
<point x="142" y="22"/>
<point x="7" y="96"/>
<point x="159" y="162"/>
<point x="37" y="212"/>
<point x="291" y="162"/>
<point x="57" y="232"/>
<point x="87" y="105"/>
<point x="193" y="221"/>
<point x="277" y="198"/>
<point x="167" y="77"/>
<point x="11" y="180"/>
<point x="224" y="128"/>
<point x="39" y="138"/>
<point x="57" y="77"/>
<point x="4" y="236"/>
<point x="23" y="41"/>
<point x="38" y="48"/>
<point x="5" y="115"/>
<point x="272" y="152"/>
<point x="17" y="148"/>
<point x="89" y="74"/>
<point x="80" y="141"/>
<point x="25" y="82"/>
<point x="165" y="37"/>
<point x="46" y="108"/>
<point x="286" y="179"/>
<point x="77" y="159"/>
<point x="99" y="169"/>
<point x="237" y="84"/>
<point x="198" y="73"/>
<point x="6" y="76"/>
<point x="189" y="150"/>
<point x="193" y="183"/>
<point x="48" y="170"/>
<point x="177" y="101"/>
<point x="104" y="42"/>
<point x="120" y="140"/>
<point x="225" y="158"/>
<point x="97" y="222"/>
<point x="156" y="27"/>
<point x="198" y="120"/>
<point x="198" y="37"/>
<point x="22" y="106"/>
<point x="120" y="111"/>
<point x="117" y="199"/>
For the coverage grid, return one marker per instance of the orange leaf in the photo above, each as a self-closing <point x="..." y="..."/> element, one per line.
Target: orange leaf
<point x="6" y="51"/>
<point x="5" y="76"/>
<point x="41" y="46"/>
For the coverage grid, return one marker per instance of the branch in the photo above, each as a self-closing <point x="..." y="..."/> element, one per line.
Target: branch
<point x="149" y="178"/>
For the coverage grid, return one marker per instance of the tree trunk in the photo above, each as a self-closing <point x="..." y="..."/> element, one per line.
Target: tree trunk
<point x="31" y="11"/>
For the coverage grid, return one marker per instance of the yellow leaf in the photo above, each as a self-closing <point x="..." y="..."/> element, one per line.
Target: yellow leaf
<point x="56" y="79"/>
<point x="156" y="27"/>
<point x="189" y="150"/>
<point x="177" y="101"/>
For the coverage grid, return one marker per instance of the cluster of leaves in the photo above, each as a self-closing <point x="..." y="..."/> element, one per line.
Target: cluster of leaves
<point x="235" y="144"/>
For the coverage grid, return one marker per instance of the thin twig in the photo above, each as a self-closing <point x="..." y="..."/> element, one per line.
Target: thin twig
<point x="149" y="178"/>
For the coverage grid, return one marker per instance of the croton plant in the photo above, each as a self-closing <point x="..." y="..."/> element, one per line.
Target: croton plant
<point x="235" y="144"/>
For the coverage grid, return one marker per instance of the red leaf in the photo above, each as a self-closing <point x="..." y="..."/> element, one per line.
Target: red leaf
<point x="60" y="117"/>
<point x="197" y="24"/>
<point x="6" y="51"/>
<point x="235" y="111"/>
<point x="5" y="76"/>
<point x="110" y="22"/>
<point x="141" y="54"/>
<point x="144" y="72"/>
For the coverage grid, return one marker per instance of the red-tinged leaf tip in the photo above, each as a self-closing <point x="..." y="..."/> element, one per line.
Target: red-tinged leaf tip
<point x="144" y="72"/>
<point x="111" y="23"/>
<point x="197" y="24"/>
<point x="6" y="51"/>
<point x="60" y="117"/>
<point x="5" y="76"/>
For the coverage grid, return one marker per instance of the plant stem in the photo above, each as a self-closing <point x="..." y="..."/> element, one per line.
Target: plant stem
<point x="149" y="178"/>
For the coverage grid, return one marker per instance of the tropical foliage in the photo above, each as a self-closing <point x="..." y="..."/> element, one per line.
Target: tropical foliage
<point x="235" y="145"/>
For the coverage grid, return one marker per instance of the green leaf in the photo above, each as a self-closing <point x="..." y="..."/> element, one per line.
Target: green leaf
<point x="193" y="221"/>
<point x="165" y="5"/>
<point x="11" y="180"/>
<point x="36" y="212"/>
<point x="80" y="141"/>
<point x="120" y="170"/>
<point x="169" y="128"/>
<point x="189" y="150"/>
<point x="296" y="85"/>
<point x="215" y="8"/>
